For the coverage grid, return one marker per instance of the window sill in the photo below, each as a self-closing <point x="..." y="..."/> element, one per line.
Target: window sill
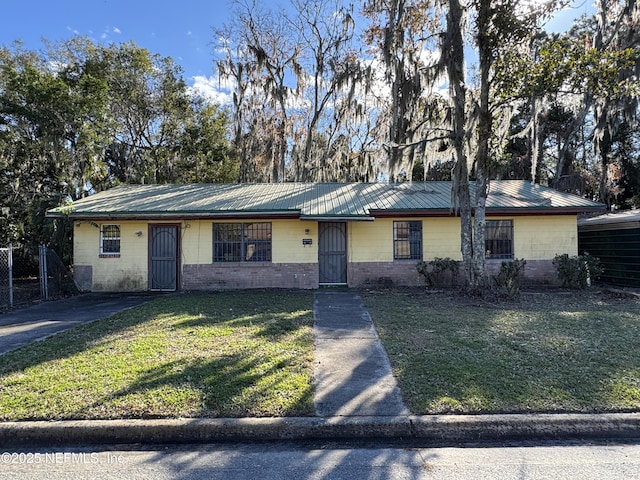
<point x="109" y="255"/>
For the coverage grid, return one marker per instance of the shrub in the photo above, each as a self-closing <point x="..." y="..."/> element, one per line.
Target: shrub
<point x="510" y="276"/>
<point x="577" y="271"/>
<point x="437" y="271"/>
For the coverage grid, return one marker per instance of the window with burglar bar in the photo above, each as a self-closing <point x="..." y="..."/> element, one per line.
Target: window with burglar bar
<point x="109" y="239"/>
<point x="407" y="240"/>
<point x="498" y="239"/>
<point x="242" y="242"/>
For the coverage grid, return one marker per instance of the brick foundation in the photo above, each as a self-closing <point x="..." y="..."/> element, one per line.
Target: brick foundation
<point x="385" y="274"/>
<point x="535" y="271"/>
<point x="405" y="274"/>
<point x="222" y="276"/>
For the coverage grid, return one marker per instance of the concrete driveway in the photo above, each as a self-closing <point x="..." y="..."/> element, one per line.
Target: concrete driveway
<point x="23" y="326"/>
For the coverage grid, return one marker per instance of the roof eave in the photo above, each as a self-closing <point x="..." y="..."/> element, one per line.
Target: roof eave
<point x="528" y="211"/>
<point x="510" y="211"/>
<point x="162" y="216"/>
<point x="436" y="212"/>
<point x="337" y="218"/>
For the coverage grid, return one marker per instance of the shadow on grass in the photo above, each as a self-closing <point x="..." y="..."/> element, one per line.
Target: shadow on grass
<point x="231" y="386"/>
<point x="76" y="340"/>
<point x="273" y="325"/>
<point x="545" y="353"/>
<point x="250" y="372"/>
<point x="237" y="309"/>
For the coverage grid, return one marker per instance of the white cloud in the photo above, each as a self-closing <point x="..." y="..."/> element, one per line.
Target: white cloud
<point x="57" y="67"/>
<point x="116" y="30"/>
<point x="209" y="88"/>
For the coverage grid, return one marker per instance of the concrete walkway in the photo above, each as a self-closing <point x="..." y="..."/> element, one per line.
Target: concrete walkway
<point x="352" y="372"/>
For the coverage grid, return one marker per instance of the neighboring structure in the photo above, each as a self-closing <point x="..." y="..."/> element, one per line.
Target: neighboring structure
<point x="615" y="239"/>
<point x="294" y="235"/>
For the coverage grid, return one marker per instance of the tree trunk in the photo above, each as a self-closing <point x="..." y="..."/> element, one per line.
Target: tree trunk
<point x="460" y="196"/>
<point x="484" y="135"/>
<point x="463" y="205"/>
<point x="482" y="187"/>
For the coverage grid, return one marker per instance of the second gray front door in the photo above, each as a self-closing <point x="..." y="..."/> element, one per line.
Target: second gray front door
<point x="163" y="257"/>
<point x="332" y="252"/>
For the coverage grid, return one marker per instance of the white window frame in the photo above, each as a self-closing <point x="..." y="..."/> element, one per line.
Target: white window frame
<point x="103" y="238"/>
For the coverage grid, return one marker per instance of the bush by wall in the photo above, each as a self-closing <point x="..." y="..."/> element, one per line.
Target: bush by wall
<point x="577" y="271"/>
<point x="510" y="277"/>
<point x="440" y="272"/>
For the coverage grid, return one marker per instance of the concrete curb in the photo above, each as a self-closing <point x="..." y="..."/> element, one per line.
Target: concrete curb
<point x="469" y="428"/>
<point x="444" y="429"/>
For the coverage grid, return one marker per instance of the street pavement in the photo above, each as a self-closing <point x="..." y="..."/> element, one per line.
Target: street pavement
<point x="282" y="461"/>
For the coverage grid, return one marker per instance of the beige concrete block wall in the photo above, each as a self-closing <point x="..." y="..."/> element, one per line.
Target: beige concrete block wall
<point x="373" y="241"/>
<point x="197" y="242"/>
<point x="441" y="238"/>
<point x="126" y="272"/>
<point x="294" y="263"/>
<point x="287" y="241"/>
<point x="544" y="237"/>
<point x="370" y="241"/>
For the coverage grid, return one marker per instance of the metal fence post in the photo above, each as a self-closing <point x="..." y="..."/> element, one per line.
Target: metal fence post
<point x="44" y="274"/>
<point x="10" y="265"/>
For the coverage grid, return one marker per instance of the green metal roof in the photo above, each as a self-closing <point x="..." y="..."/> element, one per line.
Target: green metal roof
<point x="314" y="200"/>
<point x="626" y="219"/>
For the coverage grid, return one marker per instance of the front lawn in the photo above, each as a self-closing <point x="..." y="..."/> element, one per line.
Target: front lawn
<point x="547" y="352"/>
<point x="238" y="354"/>
<point x="191" y="355"/>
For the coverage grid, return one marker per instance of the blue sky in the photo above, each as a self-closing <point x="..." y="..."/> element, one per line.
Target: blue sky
<point x="563" y="19"/>
<point x="181" y="29"/>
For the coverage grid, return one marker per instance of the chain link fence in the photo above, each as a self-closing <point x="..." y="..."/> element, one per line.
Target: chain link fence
<point x="6" y="276"/>
<point x="55" y="278"/>
<point x="28" y="276"/>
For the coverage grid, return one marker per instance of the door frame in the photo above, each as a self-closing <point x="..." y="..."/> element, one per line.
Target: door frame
<point x="178" y="253"/>
<point x="346" y="252"/>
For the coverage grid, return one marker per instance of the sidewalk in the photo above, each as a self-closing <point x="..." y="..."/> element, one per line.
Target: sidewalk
<point x="352" y="372"/>
<point x="356" y="398"/>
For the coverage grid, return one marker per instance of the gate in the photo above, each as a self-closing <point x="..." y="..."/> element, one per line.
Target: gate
<point x="163" y="258"/>
<point x="27" y="275"/>
<point x="332" y="253"/>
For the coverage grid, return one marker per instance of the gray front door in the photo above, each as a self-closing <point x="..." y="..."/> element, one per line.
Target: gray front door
<point x="163" y="257"/>
<point x="332" y="252"/>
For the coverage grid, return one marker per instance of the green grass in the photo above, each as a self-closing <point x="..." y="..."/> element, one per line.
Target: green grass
<point x="191" y="355"/>
<point x="238" y="354"/>
<point x="559" y="352"/>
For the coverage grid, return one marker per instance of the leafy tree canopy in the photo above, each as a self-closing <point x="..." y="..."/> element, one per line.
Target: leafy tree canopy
<point x="81" y="118"/>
